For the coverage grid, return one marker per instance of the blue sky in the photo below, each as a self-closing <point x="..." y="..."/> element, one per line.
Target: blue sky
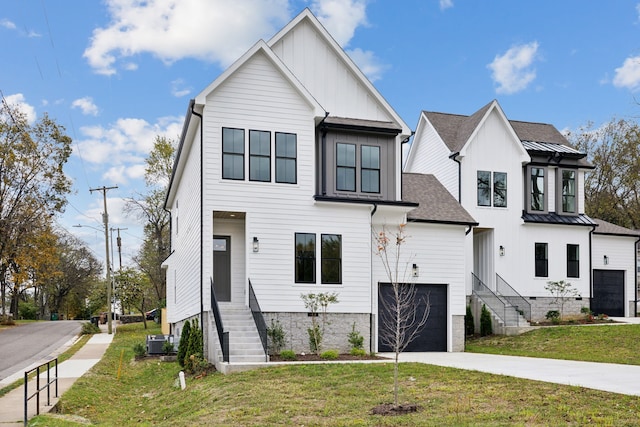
<point x="116" y="73"/>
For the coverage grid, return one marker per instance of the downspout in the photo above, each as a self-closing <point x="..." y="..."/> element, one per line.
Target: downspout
<point x="372" y="315"/>
<point x="193" y="111"/>
<point x="323" y="169"/>
<point x="454" y="157"/>
<point x="593" y="228"/>
<point x="635" y="309"/>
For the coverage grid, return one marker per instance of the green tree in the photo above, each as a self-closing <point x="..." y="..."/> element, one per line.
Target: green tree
<point x="561" y="292"/>
<point x="612" y="189"/>
<point x="132" y="289"/>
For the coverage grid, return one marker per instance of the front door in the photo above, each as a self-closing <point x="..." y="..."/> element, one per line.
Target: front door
<point x="222" y="268"/>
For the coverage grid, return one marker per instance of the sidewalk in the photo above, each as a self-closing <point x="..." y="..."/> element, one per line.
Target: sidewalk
<point x="12" y="403"/>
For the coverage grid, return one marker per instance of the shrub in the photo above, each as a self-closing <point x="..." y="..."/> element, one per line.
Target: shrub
<point x="360" y="352"/>
<point x="7" y="320"/>
<point x="355" y="339"/>
<point x="485" y="322"/>
<point x="469" y="324"/>
<point x="288" y="355"/>
<point x="554" y="316"/>
<point x="330" y="355"/>
<point x="27" y="310"/>
<point x="276" y="336"/>
<point x="184" y="340"/>
<point x="89" y="328"/>
<point x="167" y="347"/>
<point x="139" y="350"/>
<point x="194" y="348"/>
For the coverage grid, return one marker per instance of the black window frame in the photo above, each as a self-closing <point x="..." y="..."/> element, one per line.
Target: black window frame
<point x="541" y="254"/>
<point x="231" y="154"/>
<point x="286" y="158"/>
<point x="496" y="190"/>
<point x="330" y="260"/>
<point x="305" y="259"/>
<point x="253" y="156"/>
<point x="564" y="198"/>
<point x="573" y="260"/>
<point x="369" y="169"/>
<point x="534" y="192"/>
<point x="482" y="188"/>
<point x="346" y="167"/>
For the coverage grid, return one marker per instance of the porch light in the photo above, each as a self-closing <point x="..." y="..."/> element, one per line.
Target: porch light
<point x="501" y="250"/>
<point x="606" y="260"/>
<point x="415" y="271"/>
<point x="256" y="244"/>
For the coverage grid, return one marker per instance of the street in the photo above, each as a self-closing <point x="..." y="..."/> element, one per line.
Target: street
<point x="23" y="345"/>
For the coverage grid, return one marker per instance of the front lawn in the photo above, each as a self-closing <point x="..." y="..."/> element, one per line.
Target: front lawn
<point x="593" y="343"/>
<point x="147" y="393"/>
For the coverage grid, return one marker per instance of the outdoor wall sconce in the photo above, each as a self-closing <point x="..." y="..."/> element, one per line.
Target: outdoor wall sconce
<point x="415" y="271"/>
<point x="256" y="245"/>
<point x="606" y="260"/>
<point x="501" y="250"/>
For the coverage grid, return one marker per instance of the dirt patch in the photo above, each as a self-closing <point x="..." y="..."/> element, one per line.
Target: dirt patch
<point x="391" y="409"/>
<point x="315" y="358"/>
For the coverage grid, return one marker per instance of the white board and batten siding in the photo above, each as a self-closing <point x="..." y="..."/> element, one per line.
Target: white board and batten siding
<point x="324" y="73"/>
<point x="620" y="252"/>
<point x="183" y="266"/>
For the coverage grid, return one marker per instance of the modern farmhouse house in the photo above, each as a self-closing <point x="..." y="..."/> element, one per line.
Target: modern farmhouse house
<point x="288" y="162"/>
<point x="524" y="184"/>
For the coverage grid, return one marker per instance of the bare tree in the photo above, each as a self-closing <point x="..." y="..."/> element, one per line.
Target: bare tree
<point x="400" y="320"/>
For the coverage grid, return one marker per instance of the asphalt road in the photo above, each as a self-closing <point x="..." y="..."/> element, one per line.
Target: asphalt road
<point x="23" y="345"/>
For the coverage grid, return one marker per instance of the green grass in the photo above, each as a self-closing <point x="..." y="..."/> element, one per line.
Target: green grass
<point x="597" y="343"/>
<point x="147" y="394"/>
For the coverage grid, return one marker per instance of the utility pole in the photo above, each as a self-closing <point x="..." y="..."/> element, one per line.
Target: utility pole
<point x="119" y="243"/>
<point x="105" y="219"/>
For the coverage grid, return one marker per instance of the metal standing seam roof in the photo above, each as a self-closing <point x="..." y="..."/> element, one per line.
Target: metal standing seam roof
<point x="554" y="218"/>
<point x="436" y="204"/>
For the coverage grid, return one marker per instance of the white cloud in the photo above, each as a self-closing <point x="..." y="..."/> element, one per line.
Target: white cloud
<point x="86" y="105"/>
<point x="18" y="101"/>
<point x="512" y="71"/>
<point x="368" y="63"/>
<point x="7" y="24"/>
<point x="210" y="30"/>
<point x="341" y="17"/>
<point x="628" y="75"/>
<point x="179" y="88"/>
<point x="446" y="4"/>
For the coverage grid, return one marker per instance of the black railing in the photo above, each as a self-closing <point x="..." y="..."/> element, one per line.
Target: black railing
<point x="521" y="305"/>
<point x="223" y="337"/>
<point x="47" y="386"/>
<point x="258" y="318"/>
<point x="488" y="297"/>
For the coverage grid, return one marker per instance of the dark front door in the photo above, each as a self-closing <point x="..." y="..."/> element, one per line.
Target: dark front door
<point x="608" y="292"/>
<point x="433" y="336"/>
<point x="222" y="268"/>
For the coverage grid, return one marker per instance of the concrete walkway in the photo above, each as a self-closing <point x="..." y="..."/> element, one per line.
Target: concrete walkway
<point x="12" y="403"/>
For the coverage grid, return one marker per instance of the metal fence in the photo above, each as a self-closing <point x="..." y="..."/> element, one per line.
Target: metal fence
<point x="39" y="388"/>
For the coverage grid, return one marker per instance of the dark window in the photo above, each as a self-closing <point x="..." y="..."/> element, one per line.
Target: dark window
<point x="370" y="162"/>
<point x="537" y="189"/>
<point x="259" y="156"/>
<point x="232" y="153"/>
<point x="573" y="260"/>
<point x="542" y="260"/>
<point x="484" y="188"/>
<point x="331" y="271"/>
<point x="500" y="189"/>
<point x="305" y="258"/>
<point x="286" y="155"/>
<point x="569" y="191"/>
<point x="345" y="167"/>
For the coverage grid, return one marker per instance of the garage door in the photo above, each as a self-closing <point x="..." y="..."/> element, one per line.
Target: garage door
<point x="433" y="336"/>
<point x="608" y="292"/>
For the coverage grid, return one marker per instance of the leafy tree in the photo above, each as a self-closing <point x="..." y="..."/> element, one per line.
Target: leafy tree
<point x="562" y="292"/>
<point x="400" y="321"/>
<point x="33" y="185"/>
<point x="612" y="189"/>
<point x="149" y="208"/>
<point x="132" y="288"/>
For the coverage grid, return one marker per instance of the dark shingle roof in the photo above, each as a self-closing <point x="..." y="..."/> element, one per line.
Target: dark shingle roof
<point x="455" y="129"/>
<point x="436" y="203"/>
<point x="605" y="227"/>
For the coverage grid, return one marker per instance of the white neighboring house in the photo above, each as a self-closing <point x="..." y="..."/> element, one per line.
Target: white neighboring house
<point x="288" y="161"/>
<point x="524" y="185"/>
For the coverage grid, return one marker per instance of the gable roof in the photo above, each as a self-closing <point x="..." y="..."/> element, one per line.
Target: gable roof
<point x="607" y="228"/>
<point x="436" y="204"/>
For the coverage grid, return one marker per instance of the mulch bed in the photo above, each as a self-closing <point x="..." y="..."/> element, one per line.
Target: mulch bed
<point x="391" y="409"/>
<point x="315" y="358"/>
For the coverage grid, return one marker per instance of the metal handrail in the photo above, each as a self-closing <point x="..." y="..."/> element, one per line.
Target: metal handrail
<point x="223" y="336"/>
<point x="258" y="318"/>
<point x="513" y="297"/>
<point x="494" y="302"/>
<point x="36" y="394"/>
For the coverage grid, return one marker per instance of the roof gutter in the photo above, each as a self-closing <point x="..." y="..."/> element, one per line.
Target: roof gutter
<point x="593" y="228"/>
<point x="454" y="157"/>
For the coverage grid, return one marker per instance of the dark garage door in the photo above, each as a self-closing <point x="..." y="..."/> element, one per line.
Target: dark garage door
<point x="608" y="292"/>
<point x="434" y="335"/>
